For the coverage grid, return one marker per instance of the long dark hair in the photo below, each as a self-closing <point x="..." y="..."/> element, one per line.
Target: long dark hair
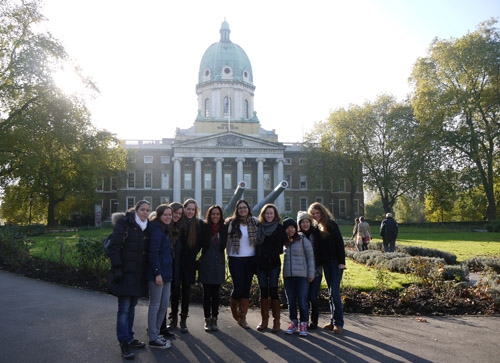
<point x="192" y="224"/>
<point x="159" y="212"/>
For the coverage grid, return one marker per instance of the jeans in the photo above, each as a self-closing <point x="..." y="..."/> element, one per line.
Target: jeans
<point x="211" y="300"/>
<point x="333" y="277"/>
<point x="242" y="270"/>
<point x="125" y="318"/>
<point x="268" y="282"/>
<point x="389" y="246"/>
<point x="313" y="298"/>
<point x="159" y="296"/>
<point x="296" y="289"/>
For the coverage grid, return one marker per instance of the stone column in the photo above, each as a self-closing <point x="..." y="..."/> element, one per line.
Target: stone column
<point x="260" y="180"/>
<point x="197" y="180"/>
<point x="218" y="180"/>
<point x="177" y="179"/>
<point x="239" y="169"/>
<point x="280" y="201"/>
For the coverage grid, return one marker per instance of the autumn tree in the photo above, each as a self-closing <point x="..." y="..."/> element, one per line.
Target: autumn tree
<point x="457" y="101"/>
<point x="49" y="149"/>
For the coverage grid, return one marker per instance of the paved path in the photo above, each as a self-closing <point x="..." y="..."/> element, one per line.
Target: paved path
<point x="43" y="322"/>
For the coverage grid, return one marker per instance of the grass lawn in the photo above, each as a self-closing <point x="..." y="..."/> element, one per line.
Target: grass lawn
<point x="60" y="247"/>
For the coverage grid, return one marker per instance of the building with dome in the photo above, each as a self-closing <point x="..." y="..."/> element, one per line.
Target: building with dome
<point x="226" y="147"/>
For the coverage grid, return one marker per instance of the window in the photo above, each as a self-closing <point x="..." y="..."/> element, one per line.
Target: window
<point x="341" y="185"/>
<point x="131" y="158"/>
<point x="227" y="106"/>
<point x="288" y="204"/>
<point x="302" y="161"/>
<point x="319" y="200"/>
<point x="356" y="207"/>
<point x="207" y="181"/>
<point x="130" y="179"/>
<point x="165" y="181"/>
<point x="247" y="178"/>
<point x="207" y="201"/>
<point x="188" y="181"/>
<point x="245" y="109"/>
<point x="164" y="200"/>
<point x="148" y="159"/>
<point x="150" y="201"/>
<point x="267" y="181"/>
<point x="113" y="183"/>
<point x="303" y="203"/>
<point x="288" y="178"/>
<point x="342" y="207"/>
<point x="303" y="181"/>
<point x="100" y="185"/>
<point x="130" y="202"/>
<point x="165" y="159"/>
<point x="113" y="206"/>
<point x="287" y="161"/>
<point x="207" y="107"/>
<point x="228" y="184"/>
<point x="148" y="180"/>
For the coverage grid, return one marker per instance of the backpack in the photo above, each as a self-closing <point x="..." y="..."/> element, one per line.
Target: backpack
<point x="107" y="242"/>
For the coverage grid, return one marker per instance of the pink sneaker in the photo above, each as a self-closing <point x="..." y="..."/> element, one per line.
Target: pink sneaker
<point x="303" y="329"/>
<point x="292" y="328"/>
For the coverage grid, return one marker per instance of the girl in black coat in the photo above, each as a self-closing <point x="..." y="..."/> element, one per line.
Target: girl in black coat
<point x="212" y="264"/>
<point x="127" y="280"/>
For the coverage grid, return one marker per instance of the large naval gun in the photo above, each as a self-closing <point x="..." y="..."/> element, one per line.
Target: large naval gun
<point x="229" y="208"/>
<point x="270" y="198"/>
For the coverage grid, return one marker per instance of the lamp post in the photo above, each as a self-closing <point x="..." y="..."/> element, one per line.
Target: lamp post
<point x="31" y="206"/>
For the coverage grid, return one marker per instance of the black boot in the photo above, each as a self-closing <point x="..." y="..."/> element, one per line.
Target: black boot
<point x="183" y="324"/>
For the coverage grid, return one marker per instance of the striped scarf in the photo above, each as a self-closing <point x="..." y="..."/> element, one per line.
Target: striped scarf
<point x="252" y="235"/>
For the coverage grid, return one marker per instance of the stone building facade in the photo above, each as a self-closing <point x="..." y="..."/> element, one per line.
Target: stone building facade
<point x="225" y="148"/>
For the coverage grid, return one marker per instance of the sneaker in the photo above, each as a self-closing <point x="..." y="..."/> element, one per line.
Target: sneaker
<point x="137" y="344"/>
<point x="126" y="352"/>
<point x="303" y="329"/>
<point x="160" y="343"/>
<point x="337" y="329"/>
<point x="313" y="326"/>
<point x="292" y="328"/>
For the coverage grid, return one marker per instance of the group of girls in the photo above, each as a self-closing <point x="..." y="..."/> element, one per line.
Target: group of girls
<point x="158" y="252"/>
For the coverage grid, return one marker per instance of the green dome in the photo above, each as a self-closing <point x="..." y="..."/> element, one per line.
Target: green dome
<point x="225" y="61"/>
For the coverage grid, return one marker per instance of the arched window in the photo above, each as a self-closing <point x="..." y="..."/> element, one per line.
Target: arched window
<point x="227" y="106"/>
<point x="245" y="109"/>
<point x="207" y="107"/>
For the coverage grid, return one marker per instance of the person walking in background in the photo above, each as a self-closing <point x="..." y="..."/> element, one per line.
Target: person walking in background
<point x="270" y="239"/>
<point x="127" y="280"/>
<point x="159" y="274"/>
<point x="364" y="233"/>
<point x="242" y="229"/>
<point x="332" y="254"/>
<point x="389" y="233"/>
<point x="355" y="234"/>
<point x="298" y="272"/>
<point x="309" y="230"/>
<point x="175" y="231"/>
<point x="212" y="264"/>
<point x="190" y="245"/>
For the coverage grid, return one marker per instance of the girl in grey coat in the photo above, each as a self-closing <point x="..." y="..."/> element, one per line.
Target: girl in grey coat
<point x="298" y="272"/>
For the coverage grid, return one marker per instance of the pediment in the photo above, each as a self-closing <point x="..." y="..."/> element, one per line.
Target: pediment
<point x="229" y="140"/>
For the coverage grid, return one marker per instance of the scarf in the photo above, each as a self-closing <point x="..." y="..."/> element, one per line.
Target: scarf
<point x="215" y="233"/>
<point x="266" y="229"/>
<point x="252" y="235"/>
<point x="140" y="223"/>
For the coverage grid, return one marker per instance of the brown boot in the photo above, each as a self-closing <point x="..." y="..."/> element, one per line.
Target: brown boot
<point x="242" y="321"/>
<point x="235" y="305"/>
<point x="264" y="312"/>
<point x="275" y="306"/>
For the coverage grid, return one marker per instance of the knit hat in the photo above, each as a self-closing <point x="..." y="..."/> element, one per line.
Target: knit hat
<point x="303" y="215"/>
<point x="287" y="222"/>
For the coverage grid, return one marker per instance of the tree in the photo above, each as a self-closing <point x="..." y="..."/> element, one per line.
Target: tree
<point x="49" y="149"/>
<point x="457" y="101"/>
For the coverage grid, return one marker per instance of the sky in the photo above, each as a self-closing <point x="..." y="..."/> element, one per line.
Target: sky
<point x="308" y="58"/>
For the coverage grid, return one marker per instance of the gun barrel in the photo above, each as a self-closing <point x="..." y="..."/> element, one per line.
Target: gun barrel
<point x="271" y="197"/>
<point x="229" y="208"/>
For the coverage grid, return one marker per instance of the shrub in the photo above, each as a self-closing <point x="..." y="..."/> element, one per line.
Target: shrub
<point x="493" y="226"/>
<point x="483" y="263"/>
<point x="450" y="258"/>
<point x="14" y="247"/>
<point x="91" y="257"/>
